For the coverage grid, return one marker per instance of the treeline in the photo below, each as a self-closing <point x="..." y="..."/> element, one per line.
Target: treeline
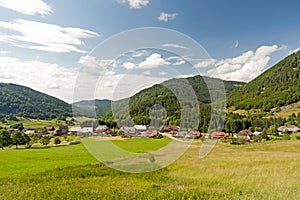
<point x="28" y="103"/>
<point x="278" y="86"/>
<point x="19" y="138"/>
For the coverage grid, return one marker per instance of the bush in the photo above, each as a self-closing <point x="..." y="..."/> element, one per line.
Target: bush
<point x="74" y="142"/>
<point x="286" y="137"/>
<point x="238" y="140"/>
<point x="257" y="138"/>
<point x="297" y="137"/>
<point x="57" y="141"/>
<point x="159" y="136"/>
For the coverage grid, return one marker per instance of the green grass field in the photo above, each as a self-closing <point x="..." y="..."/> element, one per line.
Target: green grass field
<point x="254" y="171"/>
<point x="34" y="123"/>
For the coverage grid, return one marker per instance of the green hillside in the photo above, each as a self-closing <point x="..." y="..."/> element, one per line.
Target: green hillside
<point x="278" y="86"/>
<point x="164" y="94"/>
<point x="91" y="107"/>
<point x="26" y="102"/>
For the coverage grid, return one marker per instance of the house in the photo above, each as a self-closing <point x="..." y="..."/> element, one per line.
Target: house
<point x="29" y="131"/>
<point x="197" y="134"/>
<point x="101" y="129"/>
<point x="178" y="135"/>
<point x="12" y="130"/>
<point x="245" y="133"/>
<point x="289" y="129"/>
<point x="256" y="133"/>
<point x="128" y="130"/>
<point x="150" y="133"/>
<point x="50" y="128"/>
<point x="140" y="128"/>
<point x="169" y="128"/>
<point x="217" y="135"/>
<point x="75" y="130"/>
<point x="87" y="130"/>
<point x="63" y="130"/>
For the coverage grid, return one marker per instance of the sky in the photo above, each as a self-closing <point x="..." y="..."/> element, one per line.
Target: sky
<point x="60" y="46"/>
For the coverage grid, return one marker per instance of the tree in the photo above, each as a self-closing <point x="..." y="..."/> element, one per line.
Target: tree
<point x="34" y="138"/>
<point x="57" y="141"/>
<point x="5" y="139"/>
<point x="264" y="134"/>
<point x="27" y="140"/>
<point x="18" y="139"/>
<point x="45" y="140"/>
<point x="272" y="130"/>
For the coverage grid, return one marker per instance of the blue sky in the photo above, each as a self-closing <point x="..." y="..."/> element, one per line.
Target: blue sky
<point x="45" y="43"/>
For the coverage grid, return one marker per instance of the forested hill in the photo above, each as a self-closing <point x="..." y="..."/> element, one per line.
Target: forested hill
<point x="278" y="86"/>
<point x="141" y="103"/>
<point x="26" y="102"/>
<point x="157" y="94"/>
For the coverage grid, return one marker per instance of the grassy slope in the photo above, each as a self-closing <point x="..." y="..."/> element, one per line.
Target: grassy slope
<point x="294" y="108"/>
<point x="256" y="171"/>
<point x="33" y="123"/>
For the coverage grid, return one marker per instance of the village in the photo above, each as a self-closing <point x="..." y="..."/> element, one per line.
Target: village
<point x="145" y="131"/>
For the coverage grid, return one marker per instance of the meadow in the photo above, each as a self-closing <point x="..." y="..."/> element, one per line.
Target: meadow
<point x="268" y="170"/>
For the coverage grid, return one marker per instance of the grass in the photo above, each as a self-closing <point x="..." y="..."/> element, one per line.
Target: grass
<point x="141" y="145"/>
<point x="35" y="160"/>
<point x="34" y="123"/>
<point x="294" y="108"/>
<point x="254" y="171"/>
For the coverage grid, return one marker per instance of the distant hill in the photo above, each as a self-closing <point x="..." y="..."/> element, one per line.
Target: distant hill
<point x="26" y="102"/>
<point x="90" y="108"/>
<point x="149" y="96"/>
<point x="276" y="87"/>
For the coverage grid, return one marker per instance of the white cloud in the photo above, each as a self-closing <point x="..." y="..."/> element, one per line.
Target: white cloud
<point x="174" y="46"/>
<point x="148" y="72"/>
<point x="92" y="61"/>
<point x="45" y="37"/>
<point x="241" y="68"/>
<point x="163" y="73"/>
<point x="181" y="62"/>
<point x="45" y="77"/>
<point x="27" y="7"/>
<point x="205" y="63"/>
<point x="165" y="17"/>
<point x="128" y="65"/>
<point x="4" y="52"/>
<point x="294" y="50"/>
<point x="178" y="60"/>
<point x="139" y="53"/>
<point x="136" y="4"/>
<point x="153" y="61"/>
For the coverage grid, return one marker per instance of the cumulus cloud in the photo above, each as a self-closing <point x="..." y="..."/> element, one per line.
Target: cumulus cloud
<point x="45" y="77"/>
<point x="294" y="50"/>
<point x="136" y="4"/>
<point x="165" y="17"/>
<point x="153" y="61"/>
<point x="241" y="68"/>
<point x="45" y="37"/>
<point x="27" y="7"/>
<point x="176" y="60"/>
<point x="128" y="65"/>
<point x="174" y="46"/>
<point x="205" y="63"/>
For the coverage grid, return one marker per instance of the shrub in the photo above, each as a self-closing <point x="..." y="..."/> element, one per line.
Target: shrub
<point x="286" y="137"/>
<point x="238" y="140"/>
